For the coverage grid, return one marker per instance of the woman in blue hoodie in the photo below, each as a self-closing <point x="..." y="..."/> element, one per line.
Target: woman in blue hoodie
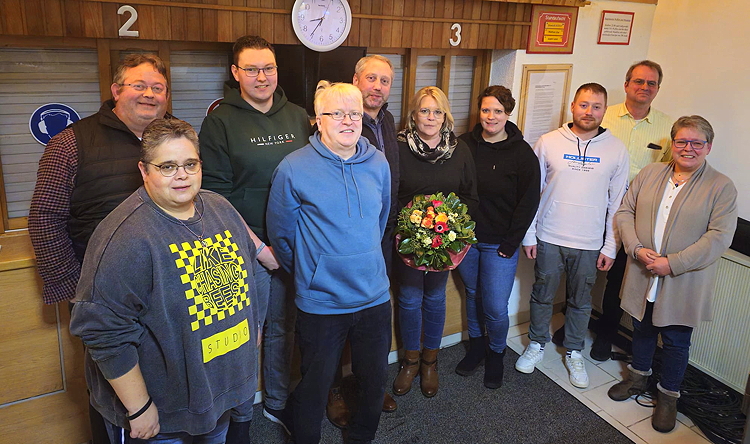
<point x="431" y="160"/>
<point x="327" y="211"/>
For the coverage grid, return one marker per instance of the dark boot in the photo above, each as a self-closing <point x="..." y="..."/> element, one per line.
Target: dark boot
<point x="665" y="413"/>
<point x="634" y="384"/>
<point x="238" y="433"/>
<point x="601" y="349"/>
<point x="428" y="373"/>
<point x="336" y="409"/>
<point x="559" y="336"/>
<point x="389" y="404"/>
<point x="493" y="369"/>
<point x="409" y="369"/>
<point x="474" y="357"/>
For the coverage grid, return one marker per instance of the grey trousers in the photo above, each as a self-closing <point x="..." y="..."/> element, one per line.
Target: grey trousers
<point x="580" y="266"/>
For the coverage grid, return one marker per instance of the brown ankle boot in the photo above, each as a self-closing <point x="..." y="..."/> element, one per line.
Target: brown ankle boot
<point x="409" y="369"/>
<point x="428" y="375"/>
<point x="389" y="404"/>
<point x="665" y="413"/>
<point x="634" y="384"/>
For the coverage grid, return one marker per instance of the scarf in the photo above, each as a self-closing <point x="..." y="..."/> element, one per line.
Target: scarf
<point x="442" y="152"/>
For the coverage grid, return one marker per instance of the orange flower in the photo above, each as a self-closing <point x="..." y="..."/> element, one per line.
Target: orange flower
<point x="428" y="222"/>
<point x="441" y="217"/>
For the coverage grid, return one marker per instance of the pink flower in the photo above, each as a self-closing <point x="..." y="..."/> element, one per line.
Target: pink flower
<point x="437" y="203"/>
<point x="437" y="241"/>
<point x="441" y="227"/>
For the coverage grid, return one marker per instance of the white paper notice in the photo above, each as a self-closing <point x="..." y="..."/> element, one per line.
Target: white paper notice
<point x="616" y="28"/>
<point x="544" y="104"/>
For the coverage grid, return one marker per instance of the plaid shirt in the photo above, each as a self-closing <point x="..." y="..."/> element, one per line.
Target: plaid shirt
<point x="48" y="218"/>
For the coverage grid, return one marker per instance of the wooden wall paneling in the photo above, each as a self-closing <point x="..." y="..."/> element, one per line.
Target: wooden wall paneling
<point x="365" y="33"/>
<point x="523" y="12"/>
<point x="73" y="18"/>
<point x="448" y="8"/>
<point x="34" y="17"/>
<point x="508" y="37"/>
<point x="91" y="14"/>
<point x="13" y="17"/>
<point x="417" y="30"/>
<point x="365" y="6"/>
<point x="178" y="23"/>
<point x="252" y="23"/>
<point x="266" y="25"/>
<point x="409" y="83"/>
<point x="224" y="28"/>
<point x="280" y="24"/>
<point x="104" y="56"/>
<point x="110" y="20"/>
<point x="444" y="73"/>
<point x="476" y="11"/>
<point x="30" y="345"/>
<point x="458" y="10"/>
<point x="428" y="37"/>
<point x="239" y="24"/>
<point x="376" y="33"/>
<point x="353" y="38"/>
<point x="209" y="25"/>
<point x="161" y="29"/>
<point x="165" y="54"/>
<point x="386" y="26"/>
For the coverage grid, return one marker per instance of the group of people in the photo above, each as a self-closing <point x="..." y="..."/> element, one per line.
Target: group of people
<point x="262" y="230"/>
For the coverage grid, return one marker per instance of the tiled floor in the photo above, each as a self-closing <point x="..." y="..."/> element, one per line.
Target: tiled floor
<point x="633" y="420"/>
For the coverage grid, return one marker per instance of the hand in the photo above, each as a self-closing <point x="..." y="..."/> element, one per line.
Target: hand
<point x="268" y="259"/>
<point x="530" y="251"/>
<point x="647" y="256"/>
<point x="604" y="263"/>
<point x="660" y="267"/>
<point x="147" y="425"/>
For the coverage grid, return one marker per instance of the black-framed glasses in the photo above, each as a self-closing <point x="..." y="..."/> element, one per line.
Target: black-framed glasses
<point x="694" y="144"/>
<point x="254" y="72"/>
<point x="169" y="169"/>
<point x="425" y="112"/>
<point x="340" y="115"/>
<point x="158" y="89"/>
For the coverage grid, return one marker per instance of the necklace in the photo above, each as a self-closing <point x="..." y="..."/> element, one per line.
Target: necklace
<point x="203" y="227"/>
<point x="678" y="182"/>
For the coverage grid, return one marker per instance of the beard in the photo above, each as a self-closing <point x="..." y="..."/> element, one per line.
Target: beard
<point x="586" y="125"/>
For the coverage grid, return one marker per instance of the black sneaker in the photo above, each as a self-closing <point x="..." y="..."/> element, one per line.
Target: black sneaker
<point x="559" y="336"/>
<point x="601" y="349"/>
<point x="280" y="417"/>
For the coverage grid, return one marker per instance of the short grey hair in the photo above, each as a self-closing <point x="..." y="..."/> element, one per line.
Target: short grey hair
<point x="695" y="122"/>
<point x="163" y="130"/>
<point x="360" y="66"/>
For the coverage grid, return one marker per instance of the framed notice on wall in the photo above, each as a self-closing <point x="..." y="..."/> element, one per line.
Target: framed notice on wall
<point x="544" y="97"/>
<point x="616" y="27"/>
<point x="553" y="29"/>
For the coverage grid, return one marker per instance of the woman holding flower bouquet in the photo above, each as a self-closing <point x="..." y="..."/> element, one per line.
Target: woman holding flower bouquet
<point x="432" y="160"/>
<point x="508" y="186"/>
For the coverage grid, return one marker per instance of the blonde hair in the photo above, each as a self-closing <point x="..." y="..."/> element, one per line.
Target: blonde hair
<point x="442" y="102"/>
<point x="336" y="92"/>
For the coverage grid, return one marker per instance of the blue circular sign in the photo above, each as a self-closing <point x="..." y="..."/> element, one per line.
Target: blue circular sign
<point x="48" y="120"/>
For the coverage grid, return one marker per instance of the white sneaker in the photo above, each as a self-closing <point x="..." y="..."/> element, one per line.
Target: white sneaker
<point x="578" y="376"/>
<point x="530" y="358"/>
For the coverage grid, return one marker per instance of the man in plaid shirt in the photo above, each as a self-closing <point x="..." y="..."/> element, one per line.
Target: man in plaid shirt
<point x="88" y="169"/>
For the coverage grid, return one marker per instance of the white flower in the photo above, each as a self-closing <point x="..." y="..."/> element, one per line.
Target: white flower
<point x="426" y="242"/>
<point x="451" y="236"/>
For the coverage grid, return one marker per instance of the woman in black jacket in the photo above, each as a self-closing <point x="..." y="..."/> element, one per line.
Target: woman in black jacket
<point x="508" y="186"/>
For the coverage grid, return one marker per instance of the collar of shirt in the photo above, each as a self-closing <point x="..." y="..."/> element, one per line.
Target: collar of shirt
<point x="624" y="112"/>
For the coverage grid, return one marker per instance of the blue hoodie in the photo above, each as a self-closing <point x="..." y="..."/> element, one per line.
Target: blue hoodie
<point x="326" y="217"/>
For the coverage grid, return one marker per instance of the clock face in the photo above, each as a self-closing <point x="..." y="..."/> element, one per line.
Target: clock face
<point x="321" y="25"/>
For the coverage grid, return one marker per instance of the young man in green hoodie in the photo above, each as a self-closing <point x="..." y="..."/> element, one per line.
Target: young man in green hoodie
<point x="242" y="142"/>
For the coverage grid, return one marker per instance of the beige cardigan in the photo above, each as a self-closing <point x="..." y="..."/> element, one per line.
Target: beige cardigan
<point x="699" y="230"/>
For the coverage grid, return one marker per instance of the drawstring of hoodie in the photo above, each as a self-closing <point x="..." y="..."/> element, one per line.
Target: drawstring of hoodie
<point x="346" y="189"/>
<point x="578" y="142"/>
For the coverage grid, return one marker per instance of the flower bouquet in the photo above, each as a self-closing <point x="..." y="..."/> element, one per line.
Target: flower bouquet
<point x="434" y="232"/>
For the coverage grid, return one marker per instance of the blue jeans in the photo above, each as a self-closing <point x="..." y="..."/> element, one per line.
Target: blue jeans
<point x="488" y="279"/>
<point x="675" y="351"/>
<point x="421" y="302"/>
<point x="580" y="267"/>
<point x="321" y="341"/>
<point x="278" y="342"/>
<point x="215" y="436"/>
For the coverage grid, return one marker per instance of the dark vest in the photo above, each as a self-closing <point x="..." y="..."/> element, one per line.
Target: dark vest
<point x="108" y="154"/>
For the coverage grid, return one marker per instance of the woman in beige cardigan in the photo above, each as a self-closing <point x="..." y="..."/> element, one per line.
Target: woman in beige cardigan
<point x="675" y="222"/>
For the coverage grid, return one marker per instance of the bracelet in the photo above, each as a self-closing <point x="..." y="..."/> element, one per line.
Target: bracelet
<point x="141" y="411"/>
<point x="260" y="248"/>
<point x="635" y="252"/>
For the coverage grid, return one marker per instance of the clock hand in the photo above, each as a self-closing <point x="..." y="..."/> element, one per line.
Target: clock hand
<point x="316" y="27"/>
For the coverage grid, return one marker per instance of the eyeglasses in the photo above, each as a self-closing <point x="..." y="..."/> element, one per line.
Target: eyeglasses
<point x="425" y="112"/>
<point x="141" y="87"/>
<point x="694" y="144"/>
<point x="254" y="72"/>
<point x="169" y="169"/>
<point x="339" y="115"/>
<point x="641" y="82"/>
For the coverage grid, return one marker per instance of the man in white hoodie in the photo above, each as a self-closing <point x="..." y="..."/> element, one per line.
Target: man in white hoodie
<point x="584" y="175"/>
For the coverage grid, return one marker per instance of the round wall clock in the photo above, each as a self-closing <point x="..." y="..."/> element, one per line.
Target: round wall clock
<point x="321" y="25"/>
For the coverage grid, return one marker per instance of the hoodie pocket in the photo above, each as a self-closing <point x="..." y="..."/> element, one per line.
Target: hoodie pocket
<point x="349" y="280"/>
<point x="563" y="217"/>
